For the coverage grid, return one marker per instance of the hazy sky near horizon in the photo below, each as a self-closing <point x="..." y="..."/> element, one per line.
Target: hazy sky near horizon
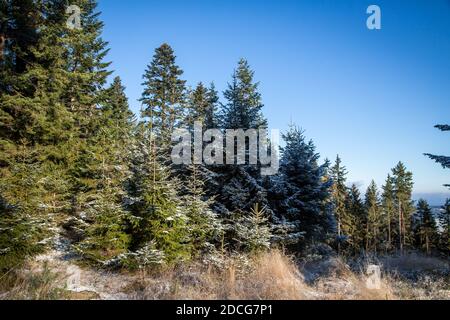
<point x="372" y="97"/>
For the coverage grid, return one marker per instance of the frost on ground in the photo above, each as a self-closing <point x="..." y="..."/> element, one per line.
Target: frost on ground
<point x="271" y="275"/>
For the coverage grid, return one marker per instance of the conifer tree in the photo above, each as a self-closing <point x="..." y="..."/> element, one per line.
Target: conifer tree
<point x="442" y="160"/>
<point x="355" y="209"/>
<point x="241" y="185"/>
<point x="373" y="218"/>
<point x="403" y="184"/>
<point x="104" y="221"/>
<point x="157" y="219"/>
<point x="204" y="227"/>
<point x="425" y="227"/>
<point x="243" y="109"/>
<point x="35" y="125"/>
<point x="339" y="194"/>
<point x="444" y="224"/>
<point x="300" y="193"/>
<point x="163" y="96"/>
<point x="389" y="213"/>
<point x="248" y="232"/>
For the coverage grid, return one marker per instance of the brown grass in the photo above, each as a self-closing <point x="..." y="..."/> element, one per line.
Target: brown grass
<point x="266" y="276"/>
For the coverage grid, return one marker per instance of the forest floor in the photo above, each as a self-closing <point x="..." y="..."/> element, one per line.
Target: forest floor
<point x="58" y="274"/>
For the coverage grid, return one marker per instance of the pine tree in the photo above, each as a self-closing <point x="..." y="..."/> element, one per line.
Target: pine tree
<point x="249" y="232"/>
<point x="444" y="224"/>
<point x="339" y="194"/>
<point x="300" y="193"/>
<point x="425" y="227"/>
<point x="244" y="107"/>
<point x="115" y="110"/>
<point x="202" y="107"/>
<point x="355" y="209"/>
<point x="241" y="185"/>
<point x="163" y="96"/>
<point x="157" y="219"/>
<point x="104" y="222"/>
<point x="442" y="160"/>
<point x="373" y="217"/>
<point x="403" y="184"/>
<point x="389" y="212"/>
<point x="35" y="125"/>
<point x="205" y="228"/>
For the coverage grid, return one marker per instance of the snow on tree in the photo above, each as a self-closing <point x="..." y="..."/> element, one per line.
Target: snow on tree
<point x="300" y="194"/>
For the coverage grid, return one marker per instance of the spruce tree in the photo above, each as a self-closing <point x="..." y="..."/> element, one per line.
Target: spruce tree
<point x="373" y="218"/>
<point x="355" y="209"/>
<point x="403" y="184"/>
<point x="204" y="226"/>
<point x="300" y="193"/>
<point x="241" y="185"/>
<point x="250" y="231"/>
<point x="442" y="160"/>
<point x="388" y="206"/>
<point x="425" y="227"/>
<point x="35" y="124"/>
<point x="444" y="224"/>
<point x="164" y="96"/>
<point x="104" y="221"/>
<point x="157" y="218"/>
<point x="339" y="194"/>
<point x="243" y="109"/>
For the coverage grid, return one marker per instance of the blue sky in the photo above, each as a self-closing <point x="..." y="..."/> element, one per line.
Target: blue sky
<point x="371" y="96"/>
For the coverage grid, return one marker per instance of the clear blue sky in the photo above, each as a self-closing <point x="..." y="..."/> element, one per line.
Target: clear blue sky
<point x="371" y="96"/>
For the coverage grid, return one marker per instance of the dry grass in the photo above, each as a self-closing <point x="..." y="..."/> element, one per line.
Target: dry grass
<point x="43" y="285"/>
<point x="270" y="275"/>
<point x="414" y="262"/>
<point x="267" y="276"/>
<point x="348" y="285"/>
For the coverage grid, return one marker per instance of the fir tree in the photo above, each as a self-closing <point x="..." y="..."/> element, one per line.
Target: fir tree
<point x="355" y="209"/>
<point x="249" y="232"/>
<point x="104" y="220"/>
<point x="205" y="228"/>
<point x="373" y="217"/>
<point x="339" y="194"/>
<point x="35" y="125"/>
<point x="425" y="227"/>
<point x="243" y="109"/>
<point x="300" y="193"/>
<point x="403" y="184"/>
<point x="444" y="224"/>
<point x="156" y="212"/>
<point x="241" y="185"/>
<point x="442" y="160"/>
<point x="388" y="206"/>
<point x="163" y="96"/>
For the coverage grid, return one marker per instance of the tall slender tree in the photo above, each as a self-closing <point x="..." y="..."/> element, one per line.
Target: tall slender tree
<point x="444" y="224"/>
<point x="241" y="185"/>
<point x="373" y="217"/>
<point x="425" y="227"/>
<point x="164" y="96"/>
<point x="355" y="209"/>
<point x="403" y="184"/>
<point x="388" y="201"/>
<point x="339" y="194"/>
